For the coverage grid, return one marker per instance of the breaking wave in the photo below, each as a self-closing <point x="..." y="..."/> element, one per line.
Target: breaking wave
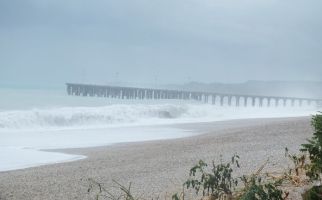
<point x="129" y="114"/>
<point x="112" y="115"/>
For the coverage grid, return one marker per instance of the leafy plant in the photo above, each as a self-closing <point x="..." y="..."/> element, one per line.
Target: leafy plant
<point x="216" y="182"/>
<point x="258" y="187"/>
<point x="255" y="189"/>
<point x="315" y="193"/>
<point x="175" y="197"/>
<point x="314" y="149"/>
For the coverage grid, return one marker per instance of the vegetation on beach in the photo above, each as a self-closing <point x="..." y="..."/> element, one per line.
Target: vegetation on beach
<point x="314" y="150"/>
<point x="217" y="181"/>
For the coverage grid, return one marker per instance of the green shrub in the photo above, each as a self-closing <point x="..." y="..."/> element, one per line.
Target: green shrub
<point x="255" y="189"/>
<point x="314" y="149"/>
<point x="315" y="193"/>
<point x="219" y="183"/>
<point x="216" y="182"/>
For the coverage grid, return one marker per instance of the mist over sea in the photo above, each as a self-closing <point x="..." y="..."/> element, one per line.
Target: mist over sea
<point x="31" y="120"/>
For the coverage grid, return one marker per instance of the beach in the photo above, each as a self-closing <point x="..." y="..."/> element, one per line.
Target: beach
<point x="99" y="96"/>
<point x="158" y="168"/>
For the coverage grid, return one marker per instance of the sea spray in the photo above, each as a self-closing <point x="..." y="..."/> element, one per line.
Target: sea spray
<point x="132" y="114"/>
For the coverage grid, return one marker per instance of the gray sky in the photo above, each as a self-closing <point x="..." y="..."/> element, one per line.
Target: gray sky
<point x="173" y="41"/>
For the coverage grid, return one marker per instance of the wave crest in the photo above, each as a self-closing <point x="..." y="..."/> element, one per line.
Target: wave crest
<point x="89" y="116"/>
<point x="133" y="114"/>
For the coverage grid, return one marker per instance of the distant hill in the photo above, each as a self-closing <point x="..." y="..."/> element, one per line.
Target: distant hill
<point x="273" y="88"/>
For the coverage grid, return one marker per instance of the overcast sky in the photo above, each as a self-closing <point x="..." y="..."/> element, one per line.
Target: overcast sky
<point x="50" y="42"/>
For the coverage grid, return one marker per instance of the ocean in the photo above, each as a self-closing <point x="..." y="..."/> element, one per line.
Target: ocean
<point x="32" y="120"/>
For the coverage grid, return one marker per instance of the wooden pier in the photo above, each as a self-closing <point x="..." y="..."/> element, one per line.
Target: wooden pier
<point x="206" y="97"/>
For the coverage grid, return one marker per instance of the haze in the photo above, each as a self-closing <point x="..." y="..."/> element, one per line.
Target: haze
<point x="170" y="41"/>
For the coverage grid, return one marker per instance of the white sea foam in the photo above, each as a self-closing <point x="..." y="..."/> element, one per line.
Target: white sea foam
<point x="88" y="116"/>
<point x="132" y="114"/>
<point x="21" y="149"/>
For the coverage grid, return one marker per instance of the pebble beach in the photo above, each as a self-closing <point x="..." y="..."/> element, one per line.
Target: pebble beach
<point x="158" y="168"/>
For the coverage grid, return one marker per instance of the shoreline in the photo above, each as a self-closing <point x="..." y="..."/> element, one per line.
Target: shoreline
<point x="199" y="129"/>
<point x="160" y="165"/>
<point x="177" y="130"/>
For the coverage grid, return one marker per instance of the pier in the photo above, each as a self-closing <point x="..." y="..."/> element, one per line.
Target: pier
<point x="206" y="97"/>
